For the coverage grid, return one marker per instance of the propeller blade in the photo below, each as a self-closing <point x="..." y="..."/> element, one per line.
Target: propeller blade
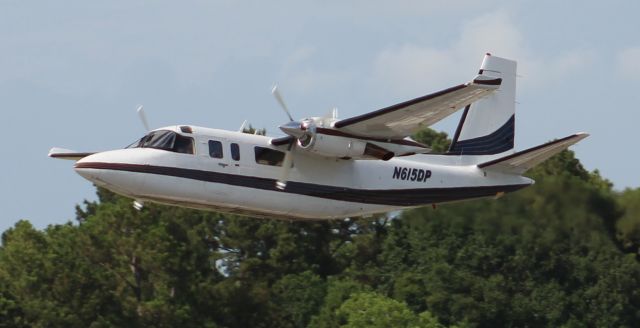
<point x="143" y="117"/>
<point x="278" y="96"/>
<point x="286" y="167"/>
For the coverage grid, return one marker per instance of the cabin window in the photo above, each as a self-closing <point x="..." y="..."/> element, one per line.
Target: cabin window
<point x="269" y="156"/>
<point x="165" y="140"/>
<point x="235" y="151"/>
<point x="215" y="149"/>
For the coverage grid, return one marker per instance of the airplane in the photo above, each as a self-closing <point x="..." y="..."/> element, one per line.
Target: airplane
<point x="329" y="168"/>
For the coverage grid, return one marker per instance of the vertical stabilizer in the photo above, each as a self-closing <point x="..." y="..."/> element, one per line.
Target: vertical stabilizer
<point x="487" y="126"/>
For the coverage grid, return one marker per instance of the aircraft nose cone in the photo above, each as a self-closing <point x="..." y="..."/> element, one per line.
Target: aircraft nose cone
<point x="86" y="167"/>
<point x="293" y="129"/>
<point x="110" y="170"/>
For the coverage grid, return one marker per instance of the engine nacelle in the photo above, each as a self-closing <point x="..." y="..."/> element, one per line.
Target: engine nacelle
<point x="342" y="147"/>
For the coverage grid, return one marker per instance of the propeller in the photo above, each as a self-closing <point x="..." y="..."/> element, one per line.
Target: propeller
<point x="278" y="96"/>
<point x="138" y="204"/>
<point x="143" y="117"/>
<point x="301" y="131"/>
<point x="286" y="167"/>
<point x="291" y="128"/>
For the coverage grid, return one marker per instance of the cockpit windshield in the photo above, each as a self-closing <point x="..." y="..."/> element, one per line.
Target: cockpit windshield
<point x="165" y="140"/>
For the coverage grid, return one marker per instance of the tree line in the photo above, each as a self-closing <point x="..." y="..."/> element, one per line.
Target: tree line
<point x="562" y="253"/>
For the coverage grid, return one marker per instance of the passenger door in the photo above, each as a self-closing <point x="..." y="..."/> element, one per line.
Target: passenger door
<point x="213" y="156"/>
<point x="234" y="154"/>
<point x="216" y="155"/>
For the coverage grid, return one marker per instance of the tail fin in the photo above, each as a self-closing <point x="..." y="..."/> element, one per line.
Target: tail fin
<point x="487" y="126"/>
<point x="522" y="161"/>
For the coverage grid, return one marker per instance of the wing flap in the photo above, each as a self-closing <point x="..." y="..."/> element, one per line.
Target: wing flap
<point x="406" y="118"/>
<point x="62" y="153"/>
<point x="522" y="161"/>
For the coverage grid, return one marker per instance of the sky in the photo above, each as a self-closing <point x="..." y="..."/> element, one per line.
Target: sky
<point x="73" y="73"/>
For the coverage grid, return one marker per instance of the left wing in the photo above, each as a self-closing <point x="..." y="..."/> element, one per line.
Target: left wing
<point x="62" y="153"/>
<point x="404" y="119"/>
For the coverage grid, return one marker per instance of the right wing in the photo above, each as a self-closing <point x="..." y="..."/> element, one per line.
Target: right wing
<point x="404" y="119"/>
<point x="62" y="153"/>
<point x="522" y="161"/>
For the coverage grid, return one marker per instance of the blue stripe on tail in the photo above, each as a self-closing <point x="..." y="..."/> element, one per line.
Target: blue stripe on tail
<point x="499" y="141"/>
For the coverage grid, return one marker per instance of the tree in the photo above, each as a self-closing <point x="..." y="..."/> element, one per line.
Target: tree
<point x="437" y="141"/>
<point x="554" y="254"/>
<point x="374" y="310"/>
<point x="628" y="226"/>
<point x="535" y="257"/>
<point x="298" y="297"/>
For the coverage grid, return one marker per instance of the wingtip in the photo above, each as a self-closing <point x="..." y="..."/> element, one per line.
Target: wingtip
<point x="56" y="150"/>
<point x="62" y="153"/>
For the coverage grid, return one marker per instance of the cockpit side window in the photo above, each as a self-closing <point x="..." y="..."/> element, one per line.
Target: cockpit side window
<point x="183" y="145"/>
<point x="269" y="156"/>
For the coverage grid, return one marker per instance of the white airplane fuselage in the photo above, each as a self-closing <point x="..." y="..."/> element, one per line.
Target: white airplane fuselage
<point x="317" y="188"/>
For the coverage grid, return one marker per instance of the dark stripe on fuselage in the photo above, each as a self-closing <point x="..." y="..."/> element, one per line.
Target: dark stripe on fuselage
<point x="395" y="197"/>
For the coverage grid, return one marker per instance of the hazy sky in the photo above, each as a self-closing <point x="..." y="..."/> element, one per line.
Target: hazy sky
<point x="73" y="72"/>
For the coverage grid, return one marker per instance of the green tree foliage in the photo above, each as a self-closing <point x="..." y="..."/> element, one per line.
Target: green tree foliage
<point x="372" y="310"/>
<point x="561" y="253"/>
<point x="628" y="227"/>
<point x="439" y="142"/>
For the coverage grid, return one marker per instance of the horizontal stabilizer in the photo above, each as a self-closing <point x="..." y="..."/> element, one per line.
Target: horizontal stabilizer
<point x="62" y="153"/>
<point x="522" y="161"/>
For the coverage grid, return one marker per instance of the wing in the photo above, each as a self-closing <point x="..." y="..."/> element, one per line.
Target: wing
<point x="67" y="154"/>
<point x="404" y="119"/>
